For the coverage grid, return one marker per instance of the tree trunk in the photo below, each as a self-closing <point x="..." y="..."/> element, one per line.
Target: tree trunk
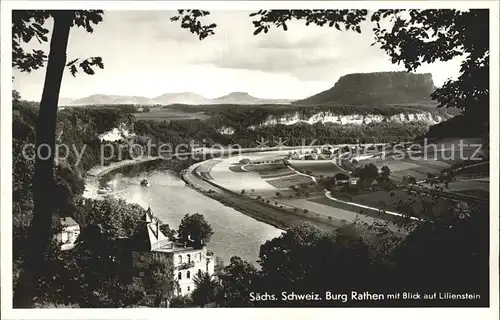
<point x="40" y="233"/>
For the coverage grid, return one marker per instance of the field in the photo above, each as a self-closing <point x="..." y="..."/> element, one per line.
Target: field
<point x="363" y="212"/>
<point x="482" y="168"/>
<point x="418" y="168"/>
<point x="277" y="173"/>
<point x="432" y="157"/>
<point x="289" y="181"/>
<point x="166" y="114"/>
<point x="317" y="167"/>
<point x="474" y="187"/>
<point x="270" y="168"/>
<point x="395" y="200"/>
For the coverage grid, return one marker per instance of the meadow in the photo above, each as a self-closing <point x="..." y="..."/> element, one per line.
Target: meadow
<point x="317" y="168"/>
<point x="166" y="114"/>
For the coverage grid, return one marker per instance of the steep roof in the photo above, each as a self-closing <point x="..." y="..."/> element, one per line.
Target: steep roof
<point x="156" y="239"/>
<point x="68" y="222"/>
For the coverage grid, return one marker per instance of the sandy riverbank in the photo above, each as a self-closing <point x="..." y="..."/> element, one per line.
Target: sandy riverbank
<point x="99" y="171"/>
<point x="96" y="173"/>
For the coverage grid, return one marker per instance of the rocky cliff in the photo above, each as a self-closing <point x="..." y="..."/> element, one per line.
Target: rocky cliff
<point x="427" y="117"/>
<point x="379" y="88"/>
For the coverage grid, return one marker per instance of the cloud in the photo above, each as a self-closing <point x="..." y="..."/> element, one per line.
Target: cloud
<point x="302" y="51"/>
<point x="306" y="53"/>
<point x="155" y="25"/>
<point x="269" y="60"/>
<point x="140" y="17"/>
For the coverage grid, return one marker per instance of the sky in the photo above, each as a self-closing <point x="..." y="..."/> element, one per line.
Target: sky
<point x="145" y="54"/>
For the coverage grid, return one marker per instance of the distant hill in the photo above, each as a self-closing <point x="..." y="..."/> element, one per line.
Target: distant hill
<point x="186" y="98"/>
<point x="245" y="98"/>
<point x="65" y="102"/>
<point x="104" y="99"/>
<point x="181" y="98"/>
<point x="378" y="88"/>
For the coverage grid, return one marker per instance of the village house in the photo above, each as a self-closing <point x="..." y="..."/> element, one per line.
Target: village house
<point x="274" y="160"/>
<point x="69" y="233"/>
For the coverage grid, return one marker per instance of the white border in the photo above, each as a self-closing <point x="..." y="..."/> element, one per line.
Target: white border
<point x="343" y="313"/>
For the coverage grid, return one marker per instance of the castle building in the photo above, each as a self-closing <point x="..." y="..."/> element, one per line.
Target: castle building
<point x="187" y="259"/>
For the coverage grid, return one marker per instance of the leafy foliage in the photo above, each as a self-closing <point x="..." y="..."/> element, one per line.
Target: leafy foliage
<point x="159" y="283"/>
<point x="301" y="257"/>
<point x="425" y="36"/>
<point x="205" y="288"/>
<point x="447" y="244"/>
<point x="178" y="132"/>
<point x="86" y="65"/>
<point x="348" y="19"/>
<point x="237" y="281"/>
<point x="385" y="173"/>
<point x="77" y="128"/>
<point x="16" y="96"/>
<point x="195" y="226"/>
<point x="304" y="259"/>
<point x="368" y="173"/>
<point x="169" y="233"/>
<point x="118" y="218"/>
<point x="192" y="20"/>
<point x="30" y="24"/>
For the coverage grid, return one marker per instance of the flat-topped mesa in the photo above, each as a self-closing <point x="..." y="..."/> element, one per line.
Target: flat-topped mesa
<point x="377" y="88"/>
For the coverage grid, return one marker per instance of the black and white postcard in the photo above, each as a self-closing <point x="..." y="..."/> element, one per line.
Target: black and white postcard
<point x="328" y="156"/>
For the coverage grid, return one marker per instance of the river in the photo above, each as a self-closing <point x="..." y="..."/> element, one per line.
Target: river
<point x="170" y="199"/>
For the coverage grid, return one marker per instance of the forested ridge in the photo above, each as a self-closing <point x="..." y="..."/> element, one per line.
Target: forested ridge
<point x="253" y="115"/>
<point x="81" y="126"/>
<point x="245" y="121"/>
